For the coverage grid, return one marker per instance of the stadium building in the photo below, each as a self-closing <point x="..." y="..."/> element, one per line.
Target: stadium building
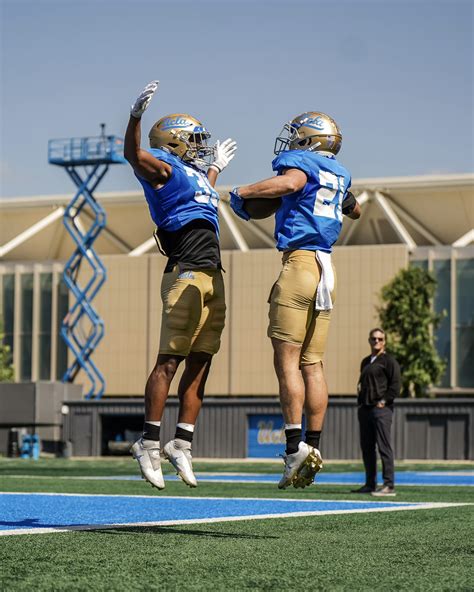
<point x="424" y="220"/>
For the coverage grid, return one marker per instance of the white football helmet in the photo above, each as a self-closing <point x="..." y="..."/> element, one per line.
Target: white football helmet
<point x="184" y="136"/>
<point x="313" y="131"/>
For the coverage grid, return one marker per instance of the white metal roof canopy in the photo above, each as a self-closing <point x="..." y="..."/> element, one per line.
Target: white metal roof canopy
<point x="420" y="211"/>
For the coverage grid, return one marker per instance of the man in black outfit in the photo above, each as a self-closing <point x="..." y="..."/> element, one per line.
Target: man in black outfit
<point x="379" y="384"/>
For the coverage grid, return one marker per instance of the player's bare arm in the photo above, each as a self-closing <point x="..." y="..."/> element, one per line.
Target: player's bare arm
<point x="290" y="181"/>
<point x="143" y="163"/>
<point x="212" y="175"/>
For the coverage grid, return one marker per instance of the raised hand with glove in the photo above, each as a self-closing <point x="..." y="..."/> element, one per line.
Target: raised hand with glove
<point x="225" y="152"/>
<point x="143" y="100"/>
<point x="146" y="166"/>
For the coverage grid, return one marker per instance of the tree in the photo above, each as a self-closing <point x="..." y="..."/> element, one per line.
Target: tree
<point x="409" y="321"/>
<point x="6" y="368"/>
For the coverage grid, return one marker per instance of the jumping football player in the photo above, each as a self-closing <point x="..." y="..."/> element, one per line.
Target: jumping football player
<point x="314" y="191"/>
<point x="178" y="175"/>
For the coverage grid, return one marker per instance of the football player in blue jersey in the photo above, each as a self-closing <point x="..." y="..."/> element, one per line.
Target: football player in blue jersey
<point x="178" y="174"/>
<point x="313" y="187"/>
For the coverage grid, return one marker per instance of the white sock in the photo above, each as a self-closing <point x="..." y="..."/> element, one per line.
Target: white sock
<point x="293" y="426"/>
<point x="186" y="426"/>
<point x="155" y="423"/>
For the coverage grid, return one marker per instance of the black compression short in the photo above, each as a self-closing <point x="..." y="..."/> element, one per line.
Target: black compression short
<point x="194" y="246"/>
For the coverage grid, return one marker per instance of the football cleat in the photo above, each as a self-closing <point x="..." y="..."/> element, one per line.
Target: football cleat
<point x="307" y="472"/>
<point x="313" y="131"/>
<point x="147" y="453"/>
<point x="178" y="452"/>
<point x="363" y="489"/>
<point x="385" y="491"/>
<point x="293" y="463"/>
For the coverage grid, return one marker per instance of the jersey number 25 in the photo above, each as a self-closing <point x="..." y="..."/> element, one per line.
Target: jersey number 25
<point x="327" y="204"/>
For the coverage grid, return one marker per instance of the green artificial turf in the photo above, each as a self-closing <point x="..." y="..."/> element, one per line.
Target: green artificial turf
<point x="422" y="550"/>
<point x="414" y="550"/>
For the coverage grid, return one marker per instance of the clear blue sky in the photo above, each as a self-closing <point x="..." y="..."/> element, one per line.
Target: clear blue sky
<point x="396" y="75"/>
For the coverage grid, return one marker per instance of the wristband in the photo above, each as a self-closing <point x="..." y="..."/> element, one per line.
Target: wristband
<point x="237" y="204"/>
<point x="349" y="204"/>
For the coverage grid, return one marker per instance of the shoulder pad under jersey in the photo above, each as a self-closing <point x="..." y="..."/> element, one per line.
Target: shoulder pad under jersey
<point x="165" y="156"/>
<point x="295" y="159"/>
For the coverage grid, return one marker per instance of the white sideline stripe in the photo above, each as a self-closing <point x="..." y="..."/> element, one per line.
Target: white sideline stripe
<point x="421" y="506"/>
<point x="342" y="482"/>
<point x="231" y="474"/>
<point x="223" y="479"/>
<point x="115" y="478"/>
<point x="208" y="498"/>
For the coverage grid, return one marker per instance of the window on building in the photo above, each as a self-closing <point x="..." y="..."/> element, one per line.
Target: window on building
<point x="442" y="304"/>
<point x="422" y="263"/>
<point x="465" y="322"/>
<point x="46" y="295"/>
<point x="8" y="312"/>
<point x="63" y="307"/>
<point x="26" y="328"/>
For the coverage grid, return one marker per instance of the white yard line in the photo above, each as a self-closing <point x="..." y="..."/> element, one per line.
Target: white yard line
<point x="222" y="479"/>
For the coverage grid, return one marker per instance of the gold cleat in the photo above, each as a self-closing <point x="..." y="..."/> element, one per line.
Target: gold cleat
<point x="308" y="470"/>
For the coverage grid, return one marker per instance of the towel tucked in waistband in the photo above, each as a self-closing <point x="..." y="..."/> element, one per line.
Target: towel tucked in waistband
<point x="326" y="283"/>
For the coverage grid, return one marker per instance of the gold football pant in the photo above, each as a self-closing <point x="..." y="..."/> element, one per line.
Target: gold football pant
<point x="193" y="314"/>
<point x="293" y="317"/>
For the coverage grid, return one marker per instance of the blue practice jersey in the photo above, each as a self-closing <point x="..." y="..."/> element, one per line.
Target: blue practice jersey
<point x="186" y="196"/>
<point x="311" y="218"/>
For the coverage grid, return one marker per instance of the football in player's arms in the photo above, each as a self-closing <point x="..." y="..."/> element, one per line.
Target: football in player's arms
<point x="261" y="207"/>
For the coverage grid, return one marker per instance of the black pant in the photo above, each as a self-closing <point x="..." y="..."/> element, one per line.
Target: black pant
<point x="375" y="425"/>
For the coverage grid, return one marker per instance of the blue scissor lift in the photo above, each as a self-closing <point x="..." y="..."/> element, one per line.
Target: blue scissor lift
<point x="86" y="160"/>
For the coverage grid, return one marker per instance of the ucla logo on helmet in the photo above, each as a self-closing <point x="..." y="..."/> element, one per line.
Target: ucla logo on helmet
<point x="314" y="122"/>
<point x="175" y="122"/>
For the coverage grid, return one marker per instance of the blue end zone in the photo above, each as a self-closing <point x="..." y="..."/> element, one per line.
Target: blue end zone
<point x="30" y="512"/>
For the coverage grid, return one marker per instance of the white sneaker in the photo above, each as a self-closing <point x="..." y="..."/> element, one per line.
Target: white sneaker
<point x="178" y="452"/>
<point x="147" y="453"/>
<point x="293" y="462"/>
<point x="307" y="472"/>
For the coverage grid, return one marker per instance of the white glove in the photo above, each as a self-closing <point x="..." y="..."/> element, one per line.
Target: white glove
<point x="140" y="105"/>
<point x="225" y="152"/>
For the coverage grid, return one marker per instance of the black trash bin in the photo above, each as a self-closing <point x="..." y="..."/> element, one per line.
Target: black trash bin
<point x="13" y="448"/>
